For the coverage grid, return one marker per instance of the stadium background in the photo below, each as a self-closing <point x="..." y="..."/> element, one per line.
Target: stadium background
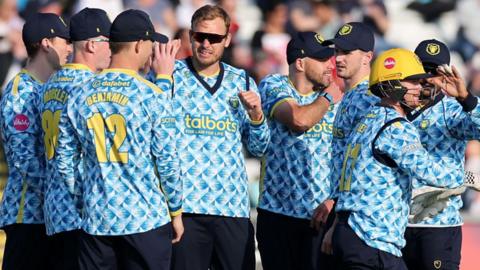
<point x="261" y="30"/>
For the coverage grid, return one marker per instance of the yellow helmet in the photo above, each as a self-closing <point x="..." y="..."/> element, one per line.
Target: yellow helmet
<point x="396" y="64"/>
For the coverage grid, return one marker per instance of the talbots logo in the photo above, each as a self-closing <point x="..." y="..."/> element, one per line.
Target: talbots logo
<point x="317" y="130"/>
<point x="234" y="102"/>
<point x="433" y="49"/>
<point x="205" y="125"/>
<point x="345" y="30"/>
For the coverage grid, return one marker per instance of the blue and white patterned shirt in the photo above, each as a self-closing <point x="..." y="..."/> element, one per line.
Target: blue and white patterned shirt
<point x="122" y="125"/>
<point x="21" y="133"/>
<point x="378" y="195"/>
<point x="296" y="167"/>
<point x="62" y="204"/>
<point x="212" y="128"/>
<point x="444" y="129"/>
<point x="354" y="106"/>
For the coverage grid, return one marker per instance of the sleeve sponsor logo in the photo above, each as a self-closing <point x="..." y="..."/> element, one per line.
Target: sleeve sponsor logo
<point x="21" y="122"/>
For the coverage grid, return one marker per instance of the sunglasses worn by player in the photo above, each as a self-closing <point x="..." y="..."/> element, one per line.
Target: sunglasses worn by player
<point x="212" y="38"/>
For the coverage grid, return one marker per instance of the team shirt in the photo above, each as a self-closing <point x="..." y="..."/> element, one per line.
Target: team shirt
<point x="378" y="195"/>
<point x="123" y="127"/>
<point x="212" y="124"/>
<point x="354" y="105"/>
<point x="22" y="200"/>
<point x="62" y="199"/>
<point x="444" y="129"/>
<point x="297" y="165"/>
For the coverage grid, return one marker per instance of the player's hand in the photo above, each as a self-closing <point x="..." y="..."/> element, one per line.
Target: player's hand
<point x="327" y="246"/>
<point x="177" y="225"/>
<point x="320" y="215"/>
<point x="451" y="82"/>
<point x="251" y="103"/>
<point x="163" y="61"/>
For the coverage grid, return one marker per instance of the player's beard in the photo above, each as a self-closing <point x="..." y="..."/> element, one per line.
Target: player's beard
<point x="206" y="62"/>
<point x="319" y="81"/>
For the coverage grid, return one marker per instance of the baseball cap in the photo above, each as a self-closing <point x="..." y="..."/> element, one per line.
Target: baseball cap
<point x="44" y="25"/>
<point x="433" y="53"/>
<point x="133" y="25"/>
<point x="352" y="36"/>
<point x="308" y="44"/>
<point x="89" y="23"/>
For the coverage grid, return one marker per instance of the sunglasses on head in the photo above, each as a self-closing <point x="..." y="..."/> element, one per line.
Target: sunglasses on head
<point x="212" y="38"/>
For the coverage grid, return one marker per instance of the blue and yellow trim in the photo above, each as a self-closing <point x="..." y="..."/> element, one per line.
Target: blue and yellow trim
<point x="278" y="103"/>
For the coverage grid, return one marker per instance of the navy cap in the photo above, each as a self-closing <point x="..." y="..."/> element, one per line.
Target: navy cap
<point x="133" y="25"/>
<point x="308" y="44"/>
<point x="89" y="23"/>
<point x="433" y="53"/>
<point x="44" y="25"/>
<point x="354" y="36"/>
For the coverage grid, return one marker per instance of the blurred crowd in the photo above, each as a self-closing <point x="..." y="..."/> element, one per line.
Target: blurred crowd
<point x="262" y="29"/>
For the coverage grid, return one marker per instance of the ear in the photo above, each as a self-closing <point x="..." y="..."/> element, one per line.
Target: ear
<point x="90" y="46"/>
<point x="228" y="40"/>
<point x="367" y="58"/>
<point x="299" y="65"/>
<point x="137" y="46"/>
<point x="45" y="44"/>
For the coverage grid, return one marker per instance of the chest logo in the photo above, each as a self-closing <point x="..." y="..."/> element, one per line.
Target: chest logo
<point x="424" y="124"/>
<point x="437" y="264"/>
<point x="234" y="102"/>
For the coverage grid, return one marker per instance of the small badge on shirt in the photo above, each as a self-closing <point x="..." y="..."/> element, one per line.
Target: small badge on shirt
<point x="21" y="122"/>
<point x="437" y="264"/>
<point x="234" y="102"/>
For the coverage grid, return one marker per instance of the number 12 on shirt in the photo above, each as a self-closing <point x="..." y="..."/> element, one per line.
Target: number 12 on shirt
<point x="114" y="123"/>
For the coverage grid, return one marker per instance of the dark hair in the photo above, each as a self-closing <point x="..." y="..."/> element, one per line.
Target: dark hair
<point x="209" y="12"/>
<point x="34" y="48"/>
<point x="116" y="47"/>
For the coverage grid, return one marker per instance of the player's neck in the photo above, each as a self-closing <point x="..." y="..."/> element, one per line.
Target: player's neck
<point x="393" y="104"/>
<point x="40" y="68"/>
<point x="122" y="62"/>
<point x="80" y="58"/>
<point x="209" y="70"/>
<point x="300" y="83"/>
<point x="357" y="78"/>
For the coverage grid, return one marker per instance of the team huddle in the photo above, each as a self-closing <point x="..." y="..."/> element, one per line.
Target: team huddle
<point x="126" y="158"/>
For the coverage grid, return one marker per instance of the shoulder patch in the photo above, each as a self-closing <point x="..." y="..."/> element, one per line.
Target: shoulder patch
<point x="21" y="122"/>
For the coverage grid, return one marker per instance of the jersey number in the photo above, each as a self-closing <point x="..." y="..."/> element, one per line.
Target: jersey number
<point x="114" y="123"/>
<point x="50" y="122"/>
<point x="352" y="152"/>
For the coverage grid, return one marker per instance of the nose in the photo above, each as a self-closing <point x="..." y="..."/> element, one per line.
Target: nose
<point x="205" y="43"/>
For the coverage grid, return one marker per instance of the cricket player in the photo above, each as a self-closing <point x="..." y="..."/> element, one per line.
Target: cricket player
<point x="445" y="124"/>
<point x="89" y="31"/>
<point x="296" y="167"/>
<point x="384" y="154"/>
<point x="354" y="43"/>
<point x="122" y="125"/>
<point x="46" y="38"/>
<point x="217" y="109"/>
